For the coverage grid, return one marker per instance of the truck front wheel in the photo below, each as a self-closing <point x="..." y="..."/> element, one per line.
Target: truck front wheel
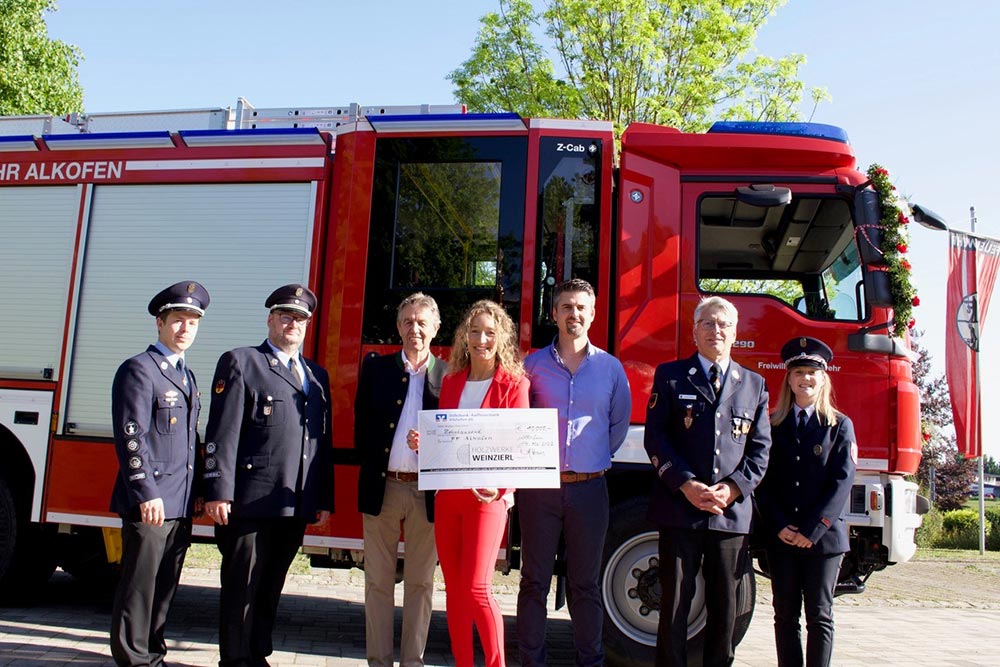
<point x="630" y="587"/>
<point x="26" y="560"/>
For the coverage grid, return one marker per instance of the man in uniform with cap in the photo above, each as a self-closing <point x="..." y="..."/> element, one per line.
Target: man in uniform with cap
<point x="154" y="413"/>
<point x="268" y="471"/>
<point x="707" y="436"/>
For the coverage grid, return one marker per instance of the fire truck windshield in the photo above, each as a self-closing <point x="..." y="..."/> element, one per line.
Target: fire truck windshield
<point x="802" y="253"/>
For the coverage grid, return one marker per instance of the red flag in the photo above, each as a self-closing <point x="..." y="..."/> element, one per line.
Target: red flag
<point x="972" y="269"/>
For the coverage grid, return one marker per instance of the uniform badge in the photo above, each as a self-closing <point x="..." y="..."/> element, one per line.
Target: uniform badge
<point x="164" y="365"/>
<point x="136" y="477"/>
<point x="745" y="428"/>
<point x="692" y="371"/>
<point x="191" y="288"/>
<point x="134" y="463"/>
<point x="131" y="428"/>
<point x="211" y="463"/>
<point x="132" y="445"/>
<point x="688" y="418"/>
<point x="210" y="448"/>
<point x="735" y="375"/>
<point x="854" y="452"/>
<point x="173" y="420"/>
<point x="220" y="386"/>
<point x="652" y="401"/>
<point x="267" y="410"/>
<point x="170" y="397"/>
<point x="274" y="362"/>
<point x="737" y="428"/>
<point x="298" y="291"/>
<point x="817" y="450"/>
<point x="823" y="520"/>
<point x="655" y="461"/>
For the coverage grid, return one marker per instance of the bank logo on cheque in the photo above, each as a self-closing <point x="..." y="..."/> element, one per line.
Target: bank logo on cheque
<point x="440" y="417"/>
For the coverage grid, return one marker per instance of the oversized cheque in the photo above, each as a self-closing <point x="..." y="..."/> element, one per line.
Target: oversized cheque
<point x="509" y="448"/>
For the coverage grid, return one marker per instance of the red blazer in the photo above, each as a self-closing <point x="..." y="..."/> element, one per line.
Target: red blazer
<point x="506" y="391"/>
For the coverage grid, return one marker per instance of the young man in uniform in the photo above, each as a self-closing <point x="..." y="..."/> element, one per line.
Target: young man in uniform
<point x="154" y="413"/>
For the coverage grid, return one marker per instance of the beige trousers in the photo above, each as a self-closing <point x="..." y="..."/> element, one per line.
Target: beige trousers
<point x="402" y="504"/>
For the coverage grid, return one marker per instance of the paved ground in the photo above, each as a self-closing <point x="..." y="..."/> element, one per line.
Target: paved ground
<point x="322" y="623"/>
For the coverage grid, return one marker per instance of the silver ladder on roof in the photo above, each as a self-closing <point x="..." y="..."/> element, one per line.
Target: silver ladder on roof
<point x="243" y="117"/>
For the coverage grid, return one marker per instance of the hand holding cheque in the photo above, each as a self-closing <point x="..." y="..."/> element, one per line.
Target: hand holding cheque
<point x="486" y="450"/>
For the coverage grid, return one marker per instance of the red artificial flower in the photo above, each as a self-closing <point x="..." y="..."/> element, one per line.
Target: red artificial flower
<point x="912" y="323"/>
<point x="902" y="248"/>
<point x="927" y="437"/>
<point x="882" y="171"/>
<point x="916" y="301"/>
<point x="903" y="220"/>
<point x="905" y="263"/>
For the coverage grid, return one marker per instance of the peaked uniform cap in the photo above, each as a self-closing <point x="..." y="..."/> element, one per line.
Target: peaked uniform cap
<point x="187" y="295"/>
<point x="296" y="298"/>
<point x="806" y="351"/>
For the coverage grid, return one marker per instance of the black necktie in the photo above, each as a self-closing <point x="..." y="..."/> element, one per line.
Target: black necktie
<point x="296" y="373"/>
<point x="182" y="370"/>
<point x="713" y="379"/>
<point x="801" y="428"/>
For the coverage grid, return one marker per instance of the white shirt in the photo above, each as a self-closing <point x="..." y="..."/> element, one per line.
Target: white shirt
<point x="473" y="394"/>
<point x="809" y="409"/>
<point x="283" y="358"/>
<point x="171" y="357"/>
<point x="401" y="457"/>
<point x="706" y="366"/>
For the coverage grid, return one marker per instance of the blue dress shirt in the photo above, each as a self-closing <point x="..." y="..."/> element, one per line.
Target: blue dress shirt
<point x="594" y="404"/>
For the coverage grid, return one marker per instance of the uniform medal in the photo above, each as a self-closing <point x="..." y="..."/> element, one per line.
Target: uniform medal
<point x="688" y="419"/>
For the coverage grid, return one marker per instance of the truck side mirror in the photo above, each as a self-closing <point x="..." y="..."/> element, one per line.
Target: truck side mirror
<point x="868" y="231"/>
<point x="763" y="195"/>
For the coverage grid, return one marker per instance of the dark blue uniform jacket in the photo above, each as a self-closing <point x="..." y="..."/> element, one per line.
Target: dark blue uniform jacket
<point x="155" y="421"/>
<point x="689" y="436"/>
<point x="268" y="446"/>
<point x="808" y="484"/>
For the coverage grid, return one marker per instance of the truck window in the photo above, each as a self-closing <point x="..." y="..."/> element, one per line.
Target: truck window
<point x="446" y="220"/>
<point x="568" y="223"/>
<point x="803" y="254"/>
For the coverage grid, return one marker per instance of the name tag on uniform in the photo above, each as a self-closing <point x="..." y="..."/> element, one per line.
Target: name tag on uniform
<point x="687" y="397"/>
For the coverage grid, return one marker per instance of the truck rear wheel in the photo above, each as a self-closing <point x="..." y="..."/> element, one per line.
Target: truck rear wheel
<point x="25" y="562"/>
<point x="630" y="587"/>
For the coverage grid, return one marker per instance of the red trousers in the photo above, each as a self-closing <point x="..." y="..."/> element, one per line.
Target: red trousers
<point x="468" y="534"/>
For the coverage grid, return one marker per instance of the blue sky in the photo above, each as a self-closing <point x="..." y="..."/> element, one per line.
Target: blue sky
<point x="916" y="84"/>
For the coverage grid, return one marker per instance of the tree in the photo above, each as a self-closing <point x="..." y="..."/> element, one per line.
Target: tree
<point x="670" y="62"/>
<point x="990" y="465"/>
<point x="38" y="75"/>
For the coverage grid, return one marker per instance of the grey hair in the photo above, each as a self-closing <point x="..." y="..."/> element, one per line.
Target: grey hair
<point x="716" y="303"/>
<point x="420" y="300"/>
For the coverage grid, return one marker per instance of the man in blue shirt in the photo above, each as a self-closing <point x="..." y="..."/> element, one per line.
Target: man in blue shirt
<point x="589" y="389"/>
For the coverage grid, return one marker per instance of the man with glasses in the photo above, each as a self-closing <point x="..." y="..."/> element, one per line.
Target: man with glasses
<point x="707" y="436"/>
<point x="268" y="471"/>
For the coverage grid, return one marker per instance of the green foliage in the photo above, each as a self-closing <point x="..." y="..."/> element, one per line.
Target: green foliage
<point x="993" y="528"/>
<point x="960" y="530"/>
<point x="930" y="530"/>
<point x="38" y="75"/>
<point x="990" y="465"/>
<point x="670" y="62"/>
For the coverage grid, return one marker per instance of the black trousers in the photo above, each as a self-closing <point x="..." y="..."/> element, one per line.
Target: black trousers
<point x="721" y="558"/>
<point x="152" y="557"/>
<point x="798" y="577"/>
<point x="256" y="555"/>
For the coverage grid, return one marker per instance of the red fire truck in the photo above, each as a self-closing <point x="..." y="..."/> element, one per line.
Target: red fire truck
<point x="369" y="204"/>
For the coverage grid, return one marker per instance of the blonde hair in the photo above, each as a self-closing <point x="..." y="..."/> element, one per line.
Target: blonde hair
<point x="825" y="409"/>
<point x="508" y="354"/>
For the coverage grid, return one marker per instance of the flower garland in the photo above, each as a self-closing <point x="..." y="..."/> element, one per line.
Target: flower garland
<point x="894" y="246"/>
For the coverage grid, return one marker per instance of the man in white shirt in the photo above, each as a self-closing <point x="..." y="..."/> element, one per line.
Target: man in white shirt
<point x="392" y="389"/>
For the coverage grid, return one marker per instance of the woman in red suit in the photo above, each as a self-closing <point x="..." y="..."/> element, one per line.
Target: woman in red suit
<point x="485" y="371"/>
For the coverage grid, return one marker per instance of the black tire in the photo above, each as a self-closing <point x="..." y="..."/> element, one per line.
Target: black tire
<point x="26" y="561"/>
<point x="630" y="590"/>
<point x="83" y="555"/>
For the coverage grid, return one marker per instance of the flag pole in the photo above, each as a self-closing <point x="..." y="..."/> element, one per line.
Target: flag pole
<point x="979" y="427"/>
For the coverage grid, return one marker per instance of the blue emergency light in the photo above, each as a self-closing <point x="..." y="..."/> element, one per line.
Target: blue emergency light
<point x="812" y="130"/>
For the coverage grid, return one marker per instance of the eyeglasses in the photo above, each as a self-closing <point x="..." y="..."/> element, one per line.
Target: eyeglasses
<point x="710" y="325"/>
<point x="286" y="319"/>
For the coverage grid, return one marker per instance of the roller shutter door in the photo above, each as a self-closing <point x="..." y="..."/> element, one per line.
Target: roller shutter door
<point x="239" y="240"/>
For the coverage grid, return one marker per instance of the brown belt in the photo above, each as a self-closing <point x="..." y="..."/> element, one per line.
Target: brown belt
<point x="571" y="477"/>
<point x="402" y="476"/>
